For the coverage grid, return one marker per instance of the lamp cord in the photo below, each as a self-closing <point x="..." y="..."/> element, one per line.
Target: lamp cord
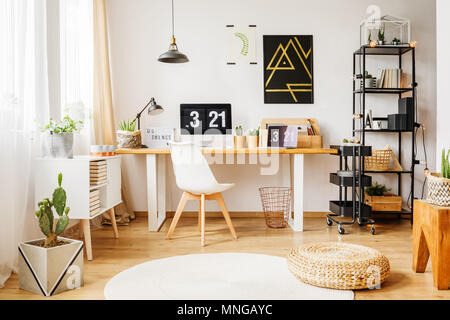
<point x="173" y="23"/>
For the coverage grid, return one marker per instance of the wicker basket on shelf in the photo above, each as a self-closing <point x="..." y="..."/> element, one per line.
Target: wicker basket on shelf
<point x="438" y="190"/>
<point x="381" y="161"/>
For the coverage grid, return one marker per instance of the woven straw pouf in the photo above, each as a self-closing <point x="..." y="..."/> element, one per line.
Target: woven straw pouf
<point x="338" y="265"/>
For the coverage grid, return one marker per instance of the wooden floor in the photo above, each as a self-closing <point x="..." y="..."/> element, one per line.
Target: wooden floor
<point x="136" y="245"/>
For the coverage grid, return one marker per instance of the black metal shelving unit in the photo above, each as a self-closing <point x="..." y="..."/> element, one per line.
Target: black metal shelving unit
<point x="352" y="205"/>
<point x="358" y="89"/>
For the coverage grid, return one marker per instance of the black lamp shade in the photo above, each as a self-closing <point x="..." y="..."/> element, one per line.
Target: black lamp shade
<point x="155" y="109"/>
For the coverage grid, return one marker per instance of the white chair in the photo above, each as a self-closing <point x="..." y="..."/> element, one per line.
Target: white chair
<point x="197" y="181"/>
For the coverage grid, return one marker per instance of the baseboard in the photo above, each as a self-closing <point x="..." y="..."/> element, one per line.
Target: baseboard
<point x="236" y="214"/>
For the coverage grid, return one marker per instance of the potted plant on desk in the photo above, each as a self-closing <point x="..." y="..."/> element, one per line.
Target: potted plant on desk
<point x="53" y="264"/>
<point x="57" y="138"/>
<point x="239" y="138"/>
<point x="252" y="138"/>
<point x="128" y="137"/>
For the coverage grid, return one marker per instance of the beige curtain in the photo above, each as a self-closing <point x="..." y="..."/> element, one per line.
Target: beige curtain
<point x="104" y="123"/>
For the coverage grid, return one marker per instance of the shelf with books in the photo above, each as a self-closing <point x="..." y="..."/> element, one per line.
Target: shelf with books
<point x="388" y="78"/>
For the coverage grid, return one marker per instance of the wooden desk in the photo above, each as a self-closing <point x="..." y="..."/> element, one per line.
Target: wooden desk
<point x="156" y="177"/>
<point x="431" y="237"/>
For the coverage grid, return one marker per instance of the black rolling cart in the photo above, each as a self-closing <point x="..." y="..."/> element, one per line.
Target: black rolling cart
<point x="351" y="205"/>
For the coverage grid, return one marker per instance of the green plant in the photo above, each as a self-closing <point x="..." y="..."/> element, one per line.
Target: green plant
<point x="369" y="38"/>
<point x="45" y="215"/>
<point x="381" y="34"/>
<point x="253" y="132"/>
<point x="377" y="190"/>
<point x="239" y="131"/>
<point x="66" y="125"/>
<point x="445" y="165"/>
<point x="368" y="75"/>
<point x="128" y="126"/>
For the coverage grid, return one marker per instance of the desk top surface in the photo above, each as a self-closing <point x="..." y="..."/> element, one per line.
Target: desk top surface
<point x="234" y="151"/>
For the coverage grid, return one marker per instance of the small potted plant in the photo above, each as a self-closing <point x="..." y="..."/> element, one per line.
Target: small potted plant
<point x="57" y="138"/>
<point x="439" y="184"/>
<point x="253" y="138"/>
<point x="396" y="41"/>
<point x="128" y="137"/>
<point x="381" y="36"/>
<point x="53" y="264"/>
<point x="379" y="199"/>
<point x="239" y="138"/>
<point x="369" y="80"/>
<point x="351" y="142"/>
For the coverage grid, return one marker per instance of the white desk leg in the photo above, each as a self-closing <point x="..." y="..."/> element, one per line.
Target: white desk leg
<point x="156" y="187"/>
<point x="161" y="167"/>
<point x="297" y="223"/>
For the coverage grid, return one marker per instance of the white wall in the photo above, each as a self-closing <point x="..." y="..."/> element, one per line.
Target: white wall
<point x="140" y="32"/>
<point x="443" y="80"/>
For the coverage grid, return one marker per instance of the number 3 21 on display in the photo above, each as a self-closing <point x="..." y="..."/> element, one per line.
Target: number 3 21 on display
<point x="205" y="118"/>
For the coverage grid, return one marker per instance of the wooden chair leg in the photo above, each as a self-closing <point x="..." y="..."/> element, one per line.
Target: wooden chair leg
<point x="226" y="215"/>
<point x="112" y="214"/>
<point x="181" y="205"/>
<point x="202" y="204"/>
<point x="199" y="215"/>
<point x="85" y="223"/>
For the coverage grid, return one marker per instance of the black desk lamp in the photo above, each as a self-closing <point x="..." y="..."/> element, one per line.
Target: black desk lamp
<point x="153" y="110"/>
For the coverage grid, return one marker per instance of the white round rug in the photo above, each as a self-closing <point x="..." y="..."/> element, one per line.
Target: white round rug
<point x="218" y="276"/>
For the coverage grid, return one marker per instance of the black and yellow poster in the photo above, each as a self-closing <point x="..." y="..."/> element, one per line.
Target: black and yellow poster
<point x="288" y="69"/>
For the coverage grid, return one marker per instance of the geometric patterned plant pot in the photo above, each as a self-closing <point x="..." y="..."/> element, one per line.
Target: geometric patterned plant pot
<point x="49" y="271"/>
<point x="438" y="190"/>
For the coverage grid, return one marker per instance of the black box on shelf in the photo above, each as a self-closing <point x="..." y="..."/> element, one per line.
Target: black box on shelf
<point x="406" y="106"/>
<point x="398" y="122"/>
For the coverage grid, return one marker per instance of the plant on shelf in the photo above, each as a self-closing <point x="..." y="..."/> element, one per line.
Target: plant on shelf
<point x="378" y="190"/>
<point x="369" y="38"/>
<point x="128" y="126"/>
<point x="381" y="36"/>
<point x="352" y="141"/>
<point x="396" y="41"/>
<point x="57" y="138"/>
<point x="66" y="125"/>
<point x="46" y="216"/>
<point x="127" y="135"/>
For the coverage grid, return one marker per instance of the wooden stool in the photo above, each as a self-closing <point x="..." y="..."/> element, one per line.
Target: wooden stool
<point x="431" y="236"/>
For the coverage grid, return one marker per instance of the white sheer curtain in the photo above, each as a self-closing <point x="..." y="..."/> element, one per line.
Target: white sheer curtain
<point x="23" y="103"/>
<point x="77" y="60"/>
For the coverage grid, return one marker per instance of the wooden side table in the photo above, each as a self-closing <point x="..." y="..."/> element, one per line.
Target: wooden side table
<point x="431" y="236"/>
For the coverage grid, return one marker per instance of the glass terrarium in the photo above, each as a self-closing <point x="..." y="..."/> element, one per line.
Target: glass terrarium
<point x="388" y="30"/>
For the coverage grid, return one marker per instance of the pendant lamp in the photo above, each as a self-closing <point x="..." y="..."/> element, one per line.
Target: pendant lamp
<point x="173" y="55"/>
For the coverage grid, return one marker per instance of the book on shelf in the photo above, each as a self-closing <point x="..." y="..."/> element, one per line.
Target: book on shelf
<point x="97" y="163"/>
<point x="94" y="193"/>
<point x="94" y="212"/>
<point x="390" y="79"/>
<point x="98" y="175"/>
<point x="94" y="206"/>
<point x="93" y="201"/>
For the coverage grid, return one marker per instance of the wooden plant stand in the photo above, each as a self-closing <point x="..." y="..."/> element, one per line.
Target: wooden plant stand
<point x="431" y="237"/>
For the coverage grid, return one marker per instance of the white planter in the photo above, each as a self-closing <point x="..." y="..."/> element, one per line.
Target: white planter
<point x="57" y="145"/>
<point x="49" y="271"/>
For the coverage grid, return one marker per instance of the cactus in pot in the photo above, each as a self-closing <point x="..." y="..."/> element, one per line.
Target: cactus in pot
<point x="45" y="215"/>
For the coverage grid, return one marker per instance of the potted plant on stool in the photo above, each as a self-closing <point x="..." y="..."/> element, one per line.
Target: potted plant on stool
<point x="438" y="185"/>
<point x="51" y="265"/>
<point x="239" y="138"/>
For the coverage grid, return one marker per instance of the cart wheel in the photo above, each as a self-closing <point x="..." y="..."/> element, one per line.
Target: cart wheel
<point x="329" y="222"/>
<point x="372" y="230"/>
<point x="341" y="230"/>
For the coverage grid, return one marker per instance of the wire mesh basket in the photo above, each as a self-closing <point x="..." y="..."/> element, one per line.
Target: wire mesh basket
<point x="276" y="203"/>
